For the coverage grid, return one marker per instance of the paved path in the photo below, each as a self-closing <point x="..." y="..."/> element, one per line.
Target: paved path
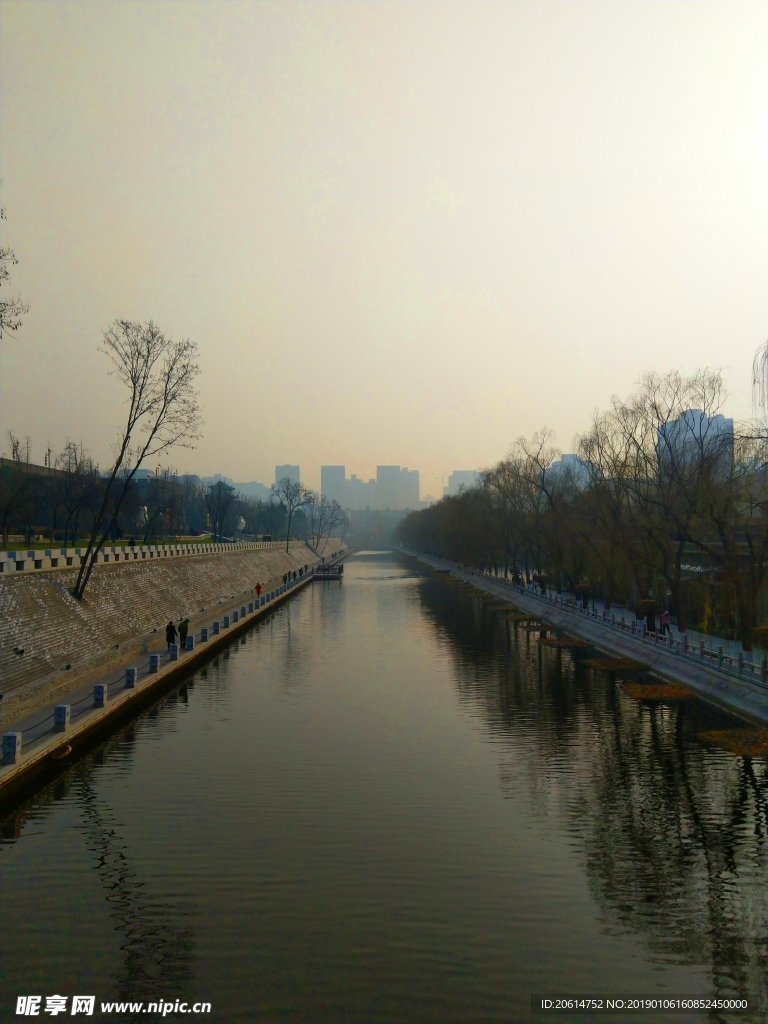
<point x="746" y="697"/>
<point x="731" y="648"/>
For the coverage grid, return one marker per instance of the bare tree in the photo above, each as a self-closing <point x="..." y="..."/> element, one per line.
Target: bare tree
<point x="324" y="517"/>
<point x="269" y="514"/>
<point x="163" y="411"/>
<point x="61" y="486"/>
<point x="11" y="310"/>
<point x="19" y="485"/>
<point x="293" y="496"/>
<point x="219" y="499"/>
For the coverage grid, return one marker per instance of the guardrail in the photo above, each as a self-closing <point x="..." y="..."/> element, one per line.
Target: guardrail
<point x="737" y="667"/>
<point x="66" y="558"/>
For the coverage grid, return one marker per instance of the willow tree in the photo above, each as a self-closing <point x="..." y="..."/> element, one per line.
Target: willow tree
<point x="158" y="374"/>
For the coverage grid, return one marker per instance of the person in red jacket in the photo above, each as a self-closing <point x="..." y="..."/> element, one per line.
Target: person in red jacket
<point x="258" y="590"/>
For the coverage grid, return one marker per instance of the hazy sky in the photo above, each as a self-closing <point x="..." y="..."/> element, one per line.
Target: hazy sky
<point x="399" y="232"/>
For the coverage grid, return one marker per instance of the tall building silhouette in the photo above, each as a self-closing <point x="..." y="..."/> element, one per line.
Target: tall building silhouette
<point x="292" y="472"/>
<point x="332" y="483"/>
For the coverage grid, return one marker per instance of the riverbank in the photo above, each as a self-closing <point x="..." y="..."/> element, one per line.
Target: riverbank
<point x="127" y="689"/>
<point x="741" y="697"/>
<point x="66" y="642"/>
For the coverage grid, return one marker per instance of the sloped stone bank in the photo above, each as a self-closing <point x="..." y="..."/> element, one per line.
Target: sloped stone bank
<point x="125" y="604"/>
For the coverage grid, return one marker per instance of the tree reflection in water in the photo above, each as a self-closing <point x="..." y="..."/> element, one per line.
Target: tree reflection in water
<point x="672" y="830"/>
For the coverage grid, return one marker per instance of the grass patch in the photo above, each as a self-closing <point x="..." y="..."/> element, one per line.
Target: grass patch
<point x="744" y="742"/>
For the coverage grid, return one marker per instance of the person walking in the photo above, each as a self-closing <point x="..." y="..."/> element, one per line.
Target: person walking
<point x="665" y="622"/>
<point x="183" y="630"/>
<point x="258" y="590"/>
<point x="170" y="634"/>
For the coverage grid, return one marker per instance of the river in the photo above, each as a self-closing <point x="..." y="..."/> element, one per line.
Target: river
<point x="389" y="803"/>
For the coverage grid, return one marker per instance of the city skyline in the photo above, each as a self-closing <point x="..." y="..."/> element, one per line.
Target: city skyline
<point x="530" y="233"/>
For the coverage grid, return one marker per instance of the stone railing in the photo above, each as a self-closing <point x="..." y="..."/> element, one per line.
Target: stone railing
<point x="67" y="558"/>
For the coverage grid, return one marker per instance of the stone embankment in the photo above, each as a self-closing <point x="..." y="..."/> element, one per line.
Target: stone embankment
<point x="43" y="743"/>
<point x="744" y="697"/>
<point x="66" y="642"/>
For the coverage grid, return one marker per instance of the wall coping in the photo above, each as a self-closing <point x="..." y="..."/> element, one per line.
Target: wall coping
<point x="50" y="559"/>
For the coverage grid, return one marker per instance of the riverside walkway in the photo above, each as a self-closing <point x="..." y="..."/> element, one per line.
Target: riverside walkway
<point x="29" y="741"/>
<point x="727" y="680"/>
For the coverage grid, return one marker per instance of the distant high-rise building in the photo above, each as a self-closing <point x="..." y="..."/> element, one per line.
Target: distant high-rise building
<point x="388" y="486"/>
<point x="695" y="438"/>
<point x="410" y="490"/>
<point x="394" y="488"/>
<point x="292" y="472"/>
<point x="332" y="483"/>
<point x="460" y="478"/>
<point x="359" y="494"/>
<point x="570" y="466"/>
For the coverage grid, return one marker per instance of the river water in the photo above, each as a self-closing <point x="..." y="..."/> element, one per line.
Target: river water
<point x="389" y="803"/>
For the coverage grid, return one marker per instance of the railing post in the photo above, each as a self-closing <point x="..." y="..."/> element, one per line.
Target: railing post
<point x="11" y="747"/>
<point x="764" y="670"/>
<point x="701" y="649"/>
<point x="154" y="662"/>
<point x="720" y="656"/>
<point x="741" y="662"/>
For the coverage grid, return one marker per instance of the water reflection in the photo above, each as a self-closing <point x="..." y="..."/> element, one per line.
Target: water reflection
<point x="155" y="935"/>
<point x="157" y="939"/>
<point x="386" y="802"/>
<point x="672" y="832"/>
